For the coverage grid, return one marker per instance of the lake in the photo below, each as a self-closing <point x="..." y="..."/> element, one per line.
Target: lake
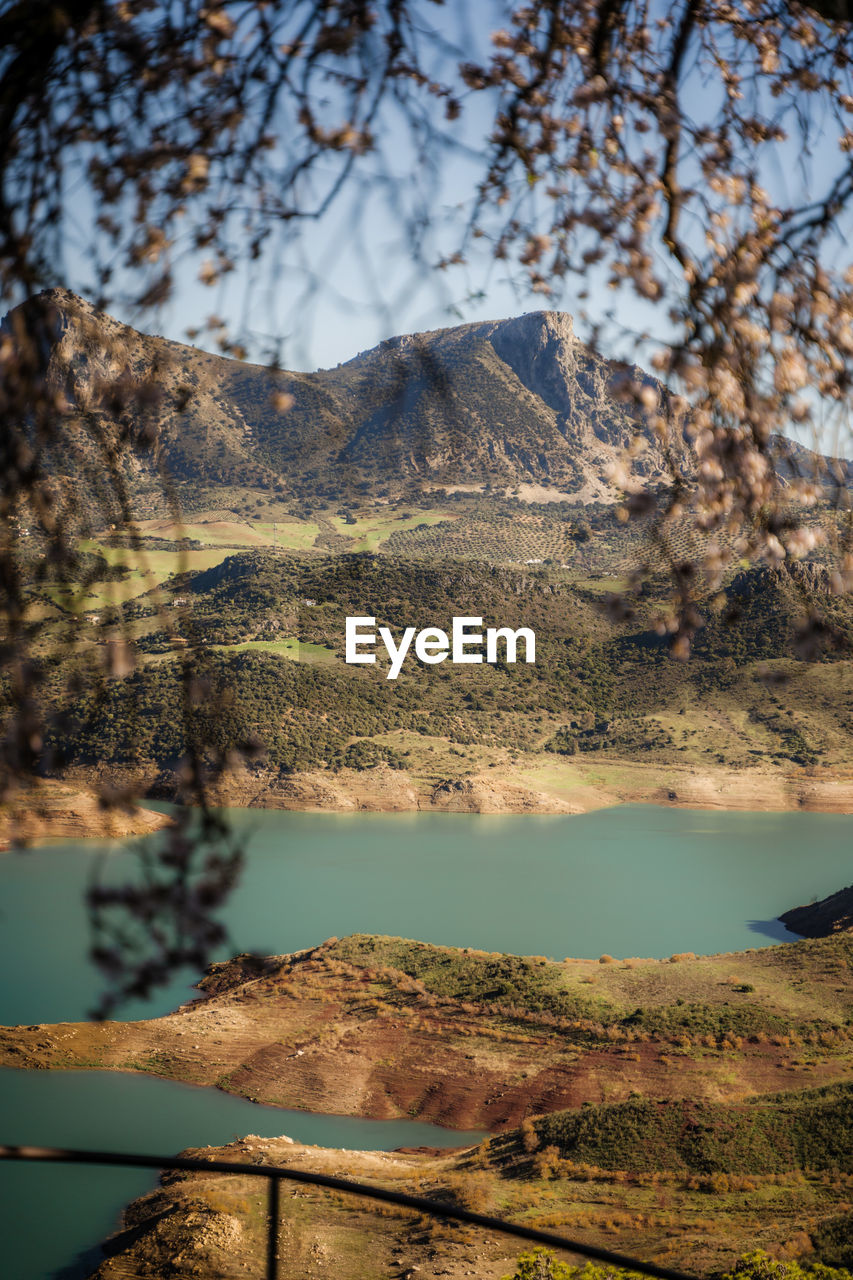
<point x="637" y="880"/>
<point x="632" y="881"/>
<point x="114" y="1112"/>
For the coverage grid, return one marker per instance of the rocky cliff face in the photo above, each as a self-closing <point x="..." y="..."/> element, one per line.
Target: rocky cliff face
<point x="510" y="402"/>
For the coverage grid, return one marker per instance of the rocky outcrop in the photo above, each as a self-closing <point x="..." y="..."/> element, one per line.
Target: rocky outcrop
<point x="482" y="795"/>
<point x="520" y="401"/>
<point x="381" y="789"/>
<point x="819" y="919"/>
<point x="753" y="790"/>
<point x="48" y="809"/>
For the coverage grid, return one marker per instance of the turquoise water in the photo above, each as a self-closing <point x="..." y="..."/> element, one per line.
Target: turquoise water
<point x="114" y="1112"/>
<point x="631" y="881"/>
<point x="637" y="880"/>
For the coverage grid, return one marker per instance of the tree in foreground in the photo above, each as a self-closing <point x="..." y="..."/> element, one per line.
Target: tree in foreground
<point x="691" y="161"/>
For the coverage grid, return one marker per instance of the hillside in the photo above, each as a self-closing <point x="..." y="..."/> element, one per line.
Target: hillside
<point x="603" y="692"/>
<point x="213" y="1224"/>
<point x="385" y="1027"/>
<point x="510" y="404"/>
<point x="686" y="1109"/>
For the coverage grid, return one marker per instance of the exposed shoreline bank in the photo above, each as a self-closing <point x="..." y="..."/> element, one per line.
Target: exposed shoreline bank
<point x="50" y="809"/>
<point x="542" y="786"/>
<point x="70" y="808"/>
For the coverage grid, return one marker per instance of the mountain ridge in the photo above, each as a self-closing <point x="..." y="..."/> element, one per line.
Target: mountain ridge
<point x="507" y="402"/>
<point x="514" y="405"/>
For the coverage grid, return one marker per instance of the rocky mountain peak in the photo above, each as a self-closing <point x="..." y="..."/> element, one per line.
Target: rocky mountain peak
<point x="50" y="310"/>
<point x="518" y="403"/>
<point x="65" y="300"/>
<point x="541" y="348"/>
<point x="60" y="322"/>
<point x="541" y="328"/>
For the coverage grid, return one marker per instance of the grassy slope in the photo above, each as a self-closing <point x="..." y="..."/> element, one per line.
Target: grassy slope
<point x="215" y="1223"/>
<point x="693" y="1182"/>
<point x="297" y="650"/>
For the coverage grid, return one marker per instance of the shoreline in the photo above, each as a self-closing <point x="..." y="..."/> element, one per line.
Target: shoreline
<point x="69" y="808"/>
<point x="542" y="786"/>
<point x="57" y="809"/>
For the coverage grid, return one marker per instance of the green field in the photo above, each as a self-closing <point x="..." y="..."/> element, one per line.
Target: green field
<point x="146" y="570"/>
<point x="370" y="532"/>
<point x="211" y="532"/>
<point x="296" y="650"/>
<point x="294" y="535"/>
<point x="291" y="533"/>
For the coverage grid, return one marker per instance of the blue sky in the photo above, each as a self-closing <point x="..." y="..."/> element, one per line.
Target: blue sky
<point x="366" y="271"/>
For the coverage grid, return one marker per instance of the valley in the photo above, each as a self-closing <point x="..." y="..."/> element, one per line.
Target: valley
<point x="688" y="1107"/>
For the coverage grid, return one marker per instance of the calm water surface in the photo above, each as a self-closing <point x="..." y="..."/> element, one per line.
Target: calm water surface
<point x="637" y="880"/>
<point x="631" y="881"/>
<point x="113" y="1112"/>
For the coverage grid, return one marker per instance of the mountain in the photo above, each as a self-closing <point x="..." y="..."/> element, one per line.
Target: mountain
<point x="509" y="402"/>
<point x="506" y="403"/>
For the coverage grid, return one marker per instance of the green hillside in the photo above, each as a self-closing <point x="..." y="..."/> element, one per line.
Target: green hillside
<point x="603" y="683"/>
<point x="808" y="1130"/>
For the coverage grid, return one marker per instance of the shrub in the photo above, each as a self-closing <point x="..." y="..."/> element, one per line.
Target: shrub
<point x="760" y="1266"/>
<point x="543" y="1264"/>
